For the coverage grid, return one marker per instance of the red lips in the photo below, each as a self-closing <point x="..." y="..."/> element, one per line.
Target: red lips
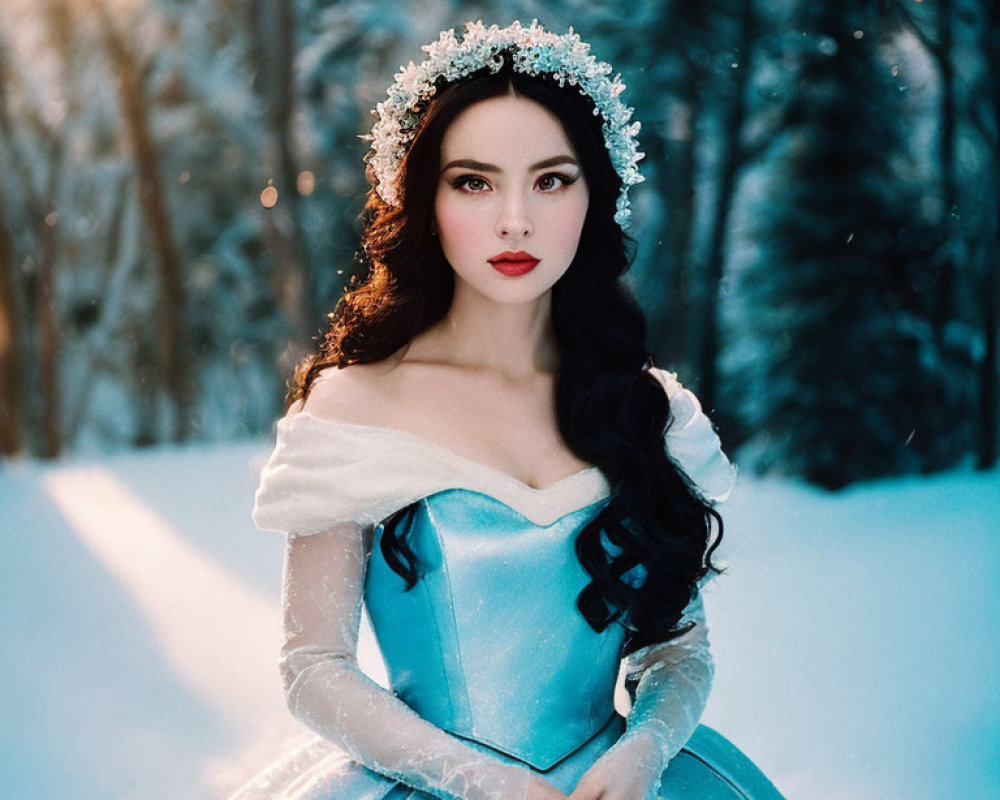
<point x="516" y="263"/>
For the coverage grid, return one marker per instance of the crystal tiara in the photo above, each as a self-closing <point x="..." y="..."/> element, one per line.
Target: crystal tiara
<point x="533" y="51"/>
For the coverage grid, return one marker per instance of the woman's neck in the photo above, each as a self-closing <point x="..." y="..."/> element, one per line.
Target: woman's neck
<point x="512" y="339"/>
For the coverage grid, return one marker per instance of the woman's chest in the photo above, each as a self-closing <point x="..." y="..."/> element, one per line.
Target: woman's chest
<point x="512" y="429"/>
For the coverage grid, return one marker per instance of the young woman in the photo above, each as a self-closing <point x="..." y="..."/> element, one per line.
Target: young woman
<point x="482" y="454"/>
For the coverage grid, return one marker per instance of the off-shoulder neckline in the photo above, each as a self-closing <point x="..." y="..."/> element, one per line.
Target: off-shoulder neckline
<point x="448" y="452"/>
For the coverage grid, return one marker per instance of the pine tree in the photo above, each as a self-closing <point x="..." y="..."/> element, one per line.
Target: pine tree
<point x="848" y="382"/>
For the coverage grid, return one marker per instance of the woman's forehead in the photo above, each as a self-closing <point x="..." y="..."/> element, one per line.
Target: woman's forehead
<point x="508" y="131"/>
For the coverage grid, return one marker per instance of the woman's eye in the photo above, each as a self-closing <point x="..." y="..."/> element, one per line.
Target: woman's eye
<point x="553" y="181"/>
<point x="472" y="184"/>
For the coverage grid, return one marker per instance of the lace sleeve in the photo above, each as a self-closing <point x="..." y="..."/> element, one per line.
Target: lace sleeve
<point x="669" y="684"/>
<point x="325" y="689"/>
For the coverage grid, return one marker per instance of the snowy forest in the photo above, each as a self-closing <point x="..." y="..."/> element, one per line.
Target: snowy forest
<point x="817" y="238"/>
<point x="817" y="250"/>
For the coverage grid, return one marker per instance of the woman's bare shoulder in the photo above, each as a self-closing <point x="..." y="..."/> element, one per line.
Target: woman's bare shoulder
<point x="358" y="393"/>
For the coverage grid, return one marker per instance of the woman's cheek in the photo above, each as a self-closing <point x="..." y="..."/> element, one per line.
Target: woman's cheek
<point x="460" y="229"/>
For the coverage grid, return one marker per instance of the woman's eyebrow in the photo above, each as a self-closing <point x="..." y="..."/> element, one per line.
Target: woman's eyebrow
<point x="482" y="166"/>
<point x="555" y="161"/>
<point x="469" y="163"/>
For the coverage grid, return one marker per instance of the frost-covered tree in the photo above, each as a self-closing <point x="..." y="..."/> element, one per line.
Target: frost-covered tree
<point x="694" y="80"/>
<point x="133" y="215"/>
<point x="203" y="148"/>
<point x="674" y="57"/>
<point x="847" y="380"/>
<point x="12" y="365"/>
<point x="990" y="284"/>
<point x="33" y="148"/>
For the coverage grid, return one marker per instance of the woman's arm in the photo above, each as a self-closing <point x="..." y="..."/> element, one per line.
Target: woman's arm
<point x="669" y="685"/>
<point x="325" y="689"/>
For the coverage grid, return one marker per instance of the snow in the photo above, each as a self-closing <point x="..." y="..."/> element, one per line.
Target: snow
<point x="855" y="634"/>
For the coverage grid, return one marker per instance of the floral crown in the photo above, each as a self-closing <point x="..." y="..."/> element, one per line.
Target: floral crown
<point x="533" y="51"/>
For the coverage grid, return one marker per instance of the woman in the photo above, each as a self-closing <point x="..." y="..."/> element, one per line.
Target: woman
<point x="477" y="453"/>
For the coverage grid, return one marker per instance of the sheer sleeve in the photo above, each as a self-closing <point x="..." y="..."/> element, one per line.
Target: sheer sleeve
<point x="669" y="682"/>
<point x="325" y="689"/>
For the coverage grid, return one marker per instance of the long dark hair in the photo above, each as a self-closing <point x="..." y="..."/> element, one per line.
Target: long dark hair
<point x="611" y="411"/>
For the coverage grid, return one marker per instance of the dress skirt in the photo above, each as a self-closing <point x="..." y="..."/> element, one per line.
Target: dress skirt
<point x="709" y="767"/>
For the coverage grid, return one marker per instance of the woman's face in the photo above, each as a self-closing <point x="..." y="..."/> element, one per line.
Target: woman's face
<point x="510" y="192"/>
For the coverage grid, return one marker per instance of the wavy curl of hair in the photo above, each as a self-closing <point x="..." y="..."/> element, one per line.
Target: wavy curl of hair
<point x="611" y="411"/>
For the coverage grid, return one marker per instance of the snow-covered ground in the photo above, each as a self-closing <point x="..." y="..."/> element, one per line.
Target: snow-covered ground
<point x="856" y="634"/>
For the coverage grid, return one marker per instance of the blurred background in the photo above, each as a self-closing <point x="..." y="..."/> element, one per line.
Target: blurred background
<point x="817" y="235"/>
<point x="817" y="251"/>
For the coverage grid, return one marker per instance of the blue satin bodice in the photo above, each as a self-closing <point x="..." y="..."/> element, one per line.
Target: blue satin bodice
<point x="489" y="644"/>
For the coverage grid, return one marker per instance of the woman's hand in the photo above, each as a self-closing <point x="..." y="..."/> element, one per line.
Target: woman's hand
<point x="541" y="789"/>
<point x="628" y="771"/>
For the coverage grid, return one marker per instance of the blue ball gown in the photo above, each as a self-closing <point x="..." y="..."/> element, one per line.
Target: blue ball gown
<point x="495" y="674"/>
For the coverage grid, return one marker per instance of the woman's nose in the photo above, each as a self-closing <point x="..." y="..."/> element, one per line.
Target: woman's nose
<point x="514" y="220"/>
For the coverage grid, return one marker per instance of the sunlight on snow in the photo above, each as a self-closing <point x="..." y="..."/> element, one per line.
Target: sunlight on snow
<point x="217" y="635"/>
